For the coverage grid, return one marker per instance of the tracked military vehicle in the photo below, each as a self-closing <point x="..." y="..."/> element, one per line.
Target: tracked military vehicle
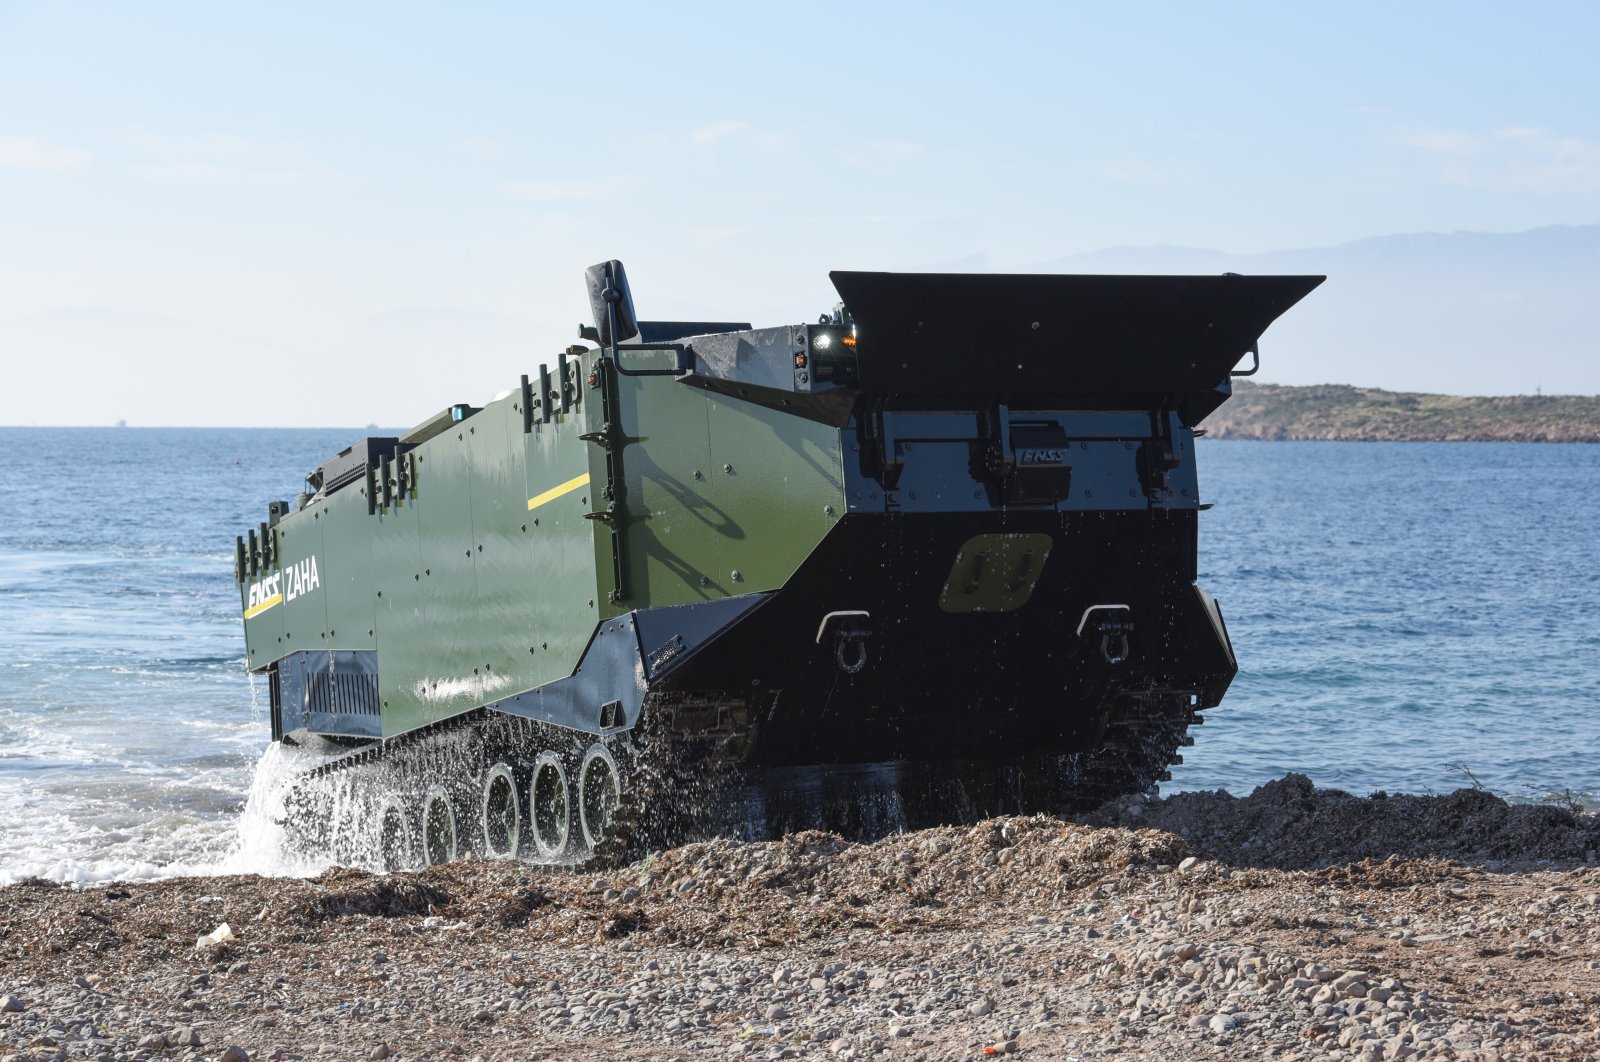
<point x="929" y="558"/>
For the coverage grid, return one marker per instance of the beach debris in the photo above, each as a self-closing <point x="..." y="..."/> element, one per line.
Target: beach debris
<point x="220" y="935"/>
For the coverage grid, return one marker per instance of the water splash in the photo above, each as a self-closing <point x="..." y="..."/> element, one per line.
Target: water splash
<point x="261" y="844"/>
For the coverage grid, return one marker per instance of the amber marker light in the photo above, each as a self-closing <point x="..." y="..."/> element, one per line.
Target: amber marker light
<point x="849" y="341"/>
<point x="799" y="361"/>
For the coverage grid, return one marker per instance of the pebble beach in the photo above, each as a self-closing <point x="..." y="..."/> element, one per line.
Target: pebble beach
<point x="1293" y="923"/>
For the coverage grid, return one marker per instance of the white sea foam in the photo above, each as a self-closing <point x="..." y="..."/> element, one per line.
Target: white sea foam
<point x="260" y="843"/>
<point x="99" y="834"/>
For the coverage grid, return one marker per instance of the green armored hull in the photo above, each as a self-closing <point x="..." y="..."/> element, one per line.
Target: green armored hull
<point x="931" y="557"/>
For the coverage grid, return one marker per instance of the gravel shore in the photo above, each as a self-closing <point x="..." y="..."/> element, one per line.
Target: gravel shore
<point x="1290" y="924"/>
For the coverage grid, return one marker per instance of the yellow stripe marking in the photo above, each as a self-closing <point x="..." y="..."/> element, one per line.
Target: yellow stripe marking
<point x="555" y="492"/>
<point x="251" y="613"/>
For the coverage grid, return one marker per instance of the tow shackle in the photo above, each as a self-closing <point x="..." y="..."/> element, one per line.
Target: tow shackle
<point x="1114" y="624"/>
<point x="851" y="628"/>
<point x="1114" y="646"/>
<point x="850" y="653"/>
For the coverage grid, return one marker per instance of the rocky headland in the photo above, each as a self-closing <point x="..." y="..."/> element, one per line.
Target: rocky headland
<point x="1342" y="412"/>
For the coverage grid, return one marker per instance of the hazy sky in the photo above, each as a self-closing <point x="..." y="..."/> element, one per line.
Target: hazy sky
<point x="343" y="213"/>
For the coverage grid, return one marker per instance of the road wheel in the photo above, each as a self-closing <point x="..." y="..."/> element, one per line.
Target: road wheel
<point x="549" y="806"/>
<point x="500" y="814"/>
<point x="396" y="843"/>
<point x="438" y="827"/>
<point x="599" y="797"/>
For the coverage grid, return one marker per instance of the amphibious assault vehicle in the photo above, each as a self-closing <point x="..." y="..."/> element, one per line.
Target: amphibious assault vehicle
<point x="927" y="559"/>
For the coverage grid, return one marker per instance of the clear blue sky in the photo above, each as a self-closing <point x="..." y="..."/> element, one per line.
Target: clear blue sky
<point x="392" y="204"/>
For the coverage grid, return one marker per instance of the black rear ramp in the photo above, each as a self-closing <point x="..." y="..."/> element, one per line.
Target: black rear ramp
<point x="944" y="333"/>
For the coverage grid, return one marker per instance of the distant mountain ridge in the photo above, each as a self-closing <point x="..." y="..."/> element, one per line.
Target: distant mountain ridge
<point x="1466" y="312"/>
<point x="1342" y="412"/>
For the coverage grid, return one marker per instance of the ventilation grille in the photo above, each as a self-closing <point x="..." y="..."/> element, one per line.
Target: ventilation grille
<point x="342" y="693"/>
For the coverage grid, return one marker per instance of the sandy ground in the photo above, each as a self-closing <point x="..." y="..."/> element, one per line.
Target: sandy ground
<point x="1291" y="924"/>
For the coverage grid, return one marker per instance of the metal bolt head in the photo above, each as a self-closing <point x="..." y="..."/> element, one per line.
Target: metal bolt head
<point x="727" y="468"/>
<point x="827" y="510"/>
<point x="737" y="575"/>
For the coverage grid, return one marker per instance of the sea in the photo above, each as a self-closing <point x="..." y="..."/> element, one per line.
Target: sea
<point x="1409" y="617"/>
